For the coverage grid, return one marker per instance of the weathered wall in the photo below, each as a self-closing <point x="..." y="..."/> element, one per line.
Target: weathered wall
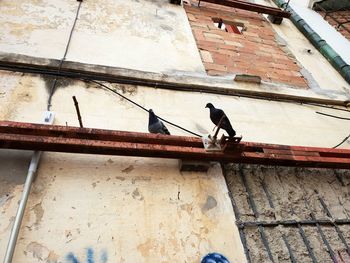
<point x="122" y="209"/>
<point x="282" y="193"/>
<point x="145" y="35"/>
<point x="115" y="209"/>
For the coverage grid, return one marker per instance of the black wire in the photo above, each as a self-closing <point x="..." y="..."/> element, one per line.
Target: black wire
<point x="140" y="106"/>
<point x="333" y="116"/>
<point x="328" y="107"/>
<point x="53" y="86"/>
<point x="344" y="140"/>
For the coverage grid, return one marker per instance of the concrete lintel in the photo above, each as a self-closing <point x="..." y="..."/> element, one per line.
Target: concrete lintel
<point x="181" y="81"/>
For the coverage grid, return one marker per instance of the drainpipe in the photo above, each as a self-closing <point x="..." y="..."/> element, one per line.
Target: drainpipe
<point x="320" y="44"/>
<point x="49" y="116"/>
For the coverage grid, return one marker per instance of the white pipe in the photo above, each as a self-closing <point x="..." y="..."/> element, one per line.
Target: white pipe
<point x="48" y="119"/>
<point x="22" y="206"/>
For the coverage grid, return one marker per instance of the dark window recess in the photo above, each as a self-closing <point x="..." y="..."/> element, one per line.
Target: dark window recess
<point x="228" y="26"/>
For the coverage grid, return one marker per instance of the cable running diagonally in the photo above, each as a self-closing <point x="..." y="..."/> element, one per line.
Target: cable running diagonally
<point x="53" y="86"/>
<point x="140" y="106"/>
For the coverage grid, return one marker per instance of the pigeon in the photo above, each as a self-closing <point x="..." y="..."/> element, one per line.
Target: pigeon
<point x="216" y="115"/>
<point x="155" y="125"/>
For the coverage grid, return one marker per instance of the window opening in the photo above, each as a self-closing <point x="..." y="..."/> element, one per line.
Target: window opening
<point x="230" y="27"/>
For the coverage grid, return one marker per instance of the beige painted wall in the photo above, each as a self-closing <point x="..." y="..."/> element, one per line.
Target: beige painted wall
<point x="145" y="35"/>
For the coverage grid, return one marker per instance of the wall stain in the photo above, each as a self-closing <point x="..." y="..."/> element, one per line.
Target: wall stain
<point x="60" y="83"/>
<point x="39" y="213"/>
<point x="120" y="178"/>
<point x="128" y="169"/>
<point x="209" y="204"/>
<point x="38" y="250"/>
<point x="136" y="195"/>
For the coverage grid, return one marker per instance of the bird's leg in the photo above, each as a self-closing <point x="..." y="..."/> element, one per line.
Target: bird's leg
<point x="219" y="126"/>
<point x="214" y="127"/>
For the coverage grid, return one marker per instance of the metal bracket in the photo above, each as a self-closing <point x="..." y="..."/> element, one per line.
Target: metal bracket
<point x="211" y="144"/>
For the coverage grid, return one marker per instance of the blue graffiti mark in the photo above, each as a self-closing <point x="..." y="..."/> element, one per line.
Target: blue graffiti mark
<point x="90" y="255"/>
<point x="71" y="258"/>
<point x="104" y="257"/>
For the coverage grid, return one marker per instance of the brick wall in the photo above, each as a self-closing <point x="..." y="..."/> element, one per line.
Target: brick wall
<point x="341" y="16"/>
<point x="254" y="52"/>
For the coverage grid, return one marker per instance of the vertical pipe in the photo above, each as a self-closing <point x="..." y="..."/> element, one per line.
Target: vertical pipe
<point x="33" y="166"/>
<point x="21" y="208"/>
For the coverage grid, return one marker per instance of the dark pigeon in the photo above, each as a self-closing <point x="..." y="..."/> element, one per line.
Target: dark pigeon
<point x="155" y="125"/>
<point x="216" y="115"/>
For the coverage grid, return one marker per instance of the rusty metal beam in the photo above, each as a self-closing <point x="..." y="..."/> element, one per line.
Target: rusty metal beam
<point x="28" y="136"/>
<point x="251" y="7"/>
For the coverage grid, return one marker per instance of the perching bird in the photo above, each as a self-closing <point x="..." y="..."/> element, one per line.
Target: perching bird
<point x="155" y="125"/>
<point x="216" y="115"/>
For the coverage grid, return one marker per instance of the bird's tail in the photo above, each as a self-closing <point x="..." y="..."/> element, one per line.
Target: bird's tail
<point x="231" y="132"/>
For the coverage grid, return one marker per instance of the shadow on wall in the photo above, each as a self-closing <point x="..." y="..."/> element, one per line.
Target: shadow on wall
<point x="14" y="165"/>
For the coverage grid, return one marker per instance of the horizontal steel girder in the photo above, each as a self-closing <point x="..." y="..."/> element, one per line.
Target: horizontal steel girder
<point x="54" y="138"/>
<point x="251" y="7"/>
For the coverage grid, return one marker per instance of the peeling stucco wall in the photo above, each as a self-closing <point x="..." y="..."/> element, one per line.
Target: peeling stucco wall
<point x="145" y="35"/>
<point x="86" y="208"/>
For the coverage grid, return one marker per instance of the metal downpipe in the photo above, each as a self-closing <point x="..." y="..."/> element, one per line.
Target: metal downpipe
<point x="33" y="166"/>
<point x="22" y="206"/>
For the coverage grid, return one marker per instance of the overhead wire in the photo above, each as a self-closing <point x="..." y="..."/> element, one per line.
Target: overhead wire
<point x="54" y="83"/>
<point x="140" y="106"/>
<point x="337" y="117"/>
<point x="333" y="116"/>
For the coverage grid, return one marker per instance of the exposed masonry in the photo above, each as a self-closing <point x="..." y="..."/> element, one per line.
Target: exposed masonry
<point x="341" y="16"/>
<point x="263" y="193"/>
<point x="256" y="51"/>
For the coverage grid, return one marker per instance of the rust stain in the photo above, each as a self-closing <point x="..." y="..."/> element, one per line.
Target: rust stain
<point x="39" y="213"/>
<point x="38" y="250"/>
<point x="136" y="195"/>
<point x="146" y="248"/>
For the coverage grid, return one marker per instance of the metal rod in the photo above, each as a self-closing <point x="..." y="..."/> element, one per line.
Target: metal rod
<point x="219" y="126"/>
<point x="267" y="193"/>
<point x="339" y="232"/>
<point x="319" y="229"/>
<point x="303" y="236"/>
<point x="293" y="223"/>
<point x="21" y="208"/>
<point x="78" y="111"/>
<point x="245" y="244"/>
<point x="269" y="198"/>
<point x="290" y="251"/>
<point x="256" y="213"/>
<point x="237" y="215"/>
<point x="307" y="244"/>
<point x="324" y="239"/>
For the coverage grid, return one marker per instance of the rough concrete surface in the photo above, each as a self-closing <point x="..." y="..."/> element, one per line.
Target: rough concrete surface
<point x="285" y="193"/>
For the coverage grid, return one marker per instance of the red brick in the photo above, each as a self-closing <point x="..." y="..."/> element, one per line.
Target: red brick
<point x="212" y="66"/>
<point x="253" y="52"/>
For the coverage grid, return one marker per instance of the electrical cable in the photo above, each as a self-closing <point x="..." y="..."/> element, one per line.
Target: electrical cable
<point x="140" y="106"/>
<point x="337" y="117"/>
<point x="344" y="140"/>
<point x="333" y="116"/>
<point x="53" y="86"/>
